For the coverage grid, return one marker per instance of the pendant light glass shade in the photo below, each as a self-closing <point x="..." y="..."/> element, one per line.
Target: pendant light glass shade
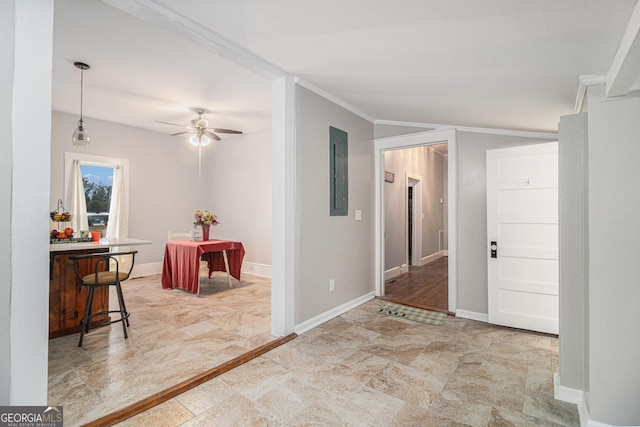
<point x="80" y="135"/>
<point x="199" y="140"/>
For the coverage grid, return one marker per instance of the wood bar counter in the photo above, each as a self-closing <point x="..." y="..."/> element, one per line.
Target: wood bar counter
<point x="67" y="301"/>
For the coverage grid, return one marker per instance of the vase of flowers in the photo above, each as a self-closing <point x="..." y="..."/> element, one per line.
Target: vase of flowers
<point x="204" y="219"/>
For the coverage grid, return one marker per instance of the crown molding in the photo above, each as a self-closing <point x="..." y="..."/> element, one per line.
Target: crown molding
<point x="625" y="68"/>
<point x="323" y="93"/>
<point x="509" y="132"/>
<point x="584" y="82"/>
<point x="491" y="131"/>
<point x="430" y="126"/>
<point x="152" y="12"/>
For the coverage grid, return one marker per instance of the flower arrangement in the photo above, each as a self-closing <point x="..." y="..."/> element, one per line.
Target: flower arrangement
<point x="204" y="218"/>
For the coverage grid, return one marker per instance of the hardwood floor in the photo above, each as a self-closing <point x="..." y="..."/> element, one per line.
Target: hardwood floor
<point x="423" y="287"/>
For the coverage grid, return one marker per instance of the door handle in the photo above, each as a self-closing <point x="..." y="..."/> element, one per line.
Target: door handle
<point x="494" y="249"/>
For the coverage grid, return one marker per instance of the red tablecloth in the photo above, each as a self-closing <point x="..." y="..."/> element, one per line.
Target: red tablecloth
<point x="181" y="267"/>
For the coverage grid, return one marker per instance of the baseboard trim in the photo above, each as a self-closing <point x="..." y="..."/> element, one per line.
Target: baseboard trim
<point x="151" y="268"/>
<point x="395" y="271"/>
<point x="334" y="312"/>
<point x="472" y="315"/>
<point x="148" y="269"/>
<point x="575" y="396"/>
<point x="256" y="269"/>
<point x="585" y="421"/>
<point x="430" y="258"/>
<point x="566" y="394"/>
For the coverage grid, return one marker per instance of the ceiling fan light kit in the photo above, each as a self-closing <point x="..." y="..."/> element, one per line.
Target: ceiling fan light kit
<point x="201" y="133"/>
<point x="199" y="140"/>
<point x="80" y="136"/>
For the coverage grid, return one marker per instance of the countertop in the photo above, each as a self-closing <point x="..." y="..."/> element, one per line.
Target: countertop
<point x="103" y="243"/>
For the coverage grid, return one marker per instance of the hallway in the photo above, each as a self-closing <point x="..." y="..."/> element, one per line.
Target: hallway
<point x="423" y="287"/>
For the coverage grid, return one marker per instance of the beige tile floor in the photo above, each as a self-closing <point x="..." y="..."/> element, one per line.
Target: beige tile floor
<point x="360" y="369"/>
<point x="366" y="369"/>
<point x="173" y="336"/>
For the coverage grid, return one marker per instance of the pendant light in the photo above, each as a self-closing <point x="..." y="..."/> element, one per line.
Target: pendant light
<point x="81" y="136"/>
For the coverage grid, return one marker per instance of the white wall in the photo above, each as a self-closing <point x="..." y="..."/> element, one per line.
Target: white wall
<point x="25" y="88"/>
<point x="337" y="247"/>
<point x="164" y="186"/>
<point x="613" y="234"/>
<point x="7" y="39"/>
<point x="429" y="165"/>
<point x="472" y="214"/>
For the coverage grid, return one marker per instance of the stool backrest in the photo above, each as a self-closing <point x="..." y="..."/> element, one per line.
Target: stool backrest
<point x="104" y="261"/>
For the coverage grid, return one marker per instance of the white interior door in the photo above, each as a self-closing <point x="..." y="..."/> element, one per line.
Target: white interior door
<point x="522" y="221"/>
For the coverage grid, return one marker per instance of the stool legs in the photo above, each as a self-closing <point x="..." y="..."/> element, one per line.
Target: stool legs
<point x="84" y="324"/>
<point x="124" y="316"/>
<point x="86" y="320"/>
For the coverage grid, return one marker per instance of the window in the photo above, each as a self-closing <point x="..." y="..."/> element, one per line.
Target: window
<point x="97" y="181"/>
<point x="98" y="174"/>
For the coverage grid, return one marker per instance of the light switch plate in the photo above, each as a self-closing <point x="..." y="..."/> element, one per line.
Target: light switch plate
<point x="358" y="215"/>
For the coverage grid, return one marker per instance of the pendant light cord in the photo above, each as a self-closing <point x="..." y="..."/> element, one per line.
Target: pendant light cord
<point x="81" y="86"/>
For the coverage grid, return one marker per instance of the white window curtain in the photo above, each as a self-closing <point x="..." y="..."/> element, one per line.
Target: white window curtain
<point x="118" y="225"/>
<point x="77" y="204"/>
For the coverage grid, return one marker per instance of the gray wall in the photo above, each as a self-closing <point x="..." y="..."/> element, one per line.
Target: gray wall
<point x="472" y="214"/>
<point x="614" y="270"/>
<point x="164" y="186"/>
<point x="337" y="247"/>
<point x="240" y="192"/>
<point x="430" y="166"/>
<point x="573" y="159"/>
<point x="163" y="176"/>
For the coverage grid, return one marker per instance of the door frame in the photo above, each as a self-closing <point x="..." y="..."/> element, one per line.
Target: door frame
<point x="414" y="181"/>
<point x="419" y="139"/>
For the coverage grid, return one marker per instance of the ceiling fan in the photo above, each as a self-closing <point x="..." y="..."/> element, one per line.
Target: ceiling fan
<point x="202" y="133"/>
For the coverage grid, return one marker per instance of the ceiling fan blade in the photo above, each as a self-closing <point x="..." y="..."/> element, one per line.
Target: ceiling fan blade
<point x="172" y="124"/>
<point x="212" y="135"/>
<point x="226" y="131"/>
<point x="180" y="133"/>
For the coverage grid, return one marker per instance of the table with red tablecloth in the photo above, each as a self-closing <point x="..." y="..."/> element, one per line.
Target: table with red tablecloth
<point x="181" y="266"/>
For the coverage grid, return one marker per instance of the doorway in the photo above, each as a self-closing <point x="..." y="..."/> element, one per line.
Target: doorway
<point x="442" y="243"/>
<point x="421" y="278"/>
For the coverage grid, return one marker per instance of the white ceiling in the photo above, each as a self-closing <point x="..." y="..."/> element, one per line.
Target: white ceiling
<point x="505" y="64"/>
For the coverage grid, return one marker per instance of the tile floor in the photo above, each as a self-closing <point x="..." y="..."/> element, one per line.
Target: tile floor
<point x="362" y="368"/>
<point x="173" y="336"/>
<point x="366" y="369"/>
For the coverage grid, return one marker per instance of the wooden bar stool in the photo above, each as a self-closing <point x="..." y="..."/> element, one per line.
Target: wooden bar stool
<point x="102" y="276"/>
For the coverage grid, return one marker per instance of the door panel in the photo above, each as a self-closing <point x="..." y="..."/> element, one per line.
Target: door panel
<point x="522" y="217"/>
